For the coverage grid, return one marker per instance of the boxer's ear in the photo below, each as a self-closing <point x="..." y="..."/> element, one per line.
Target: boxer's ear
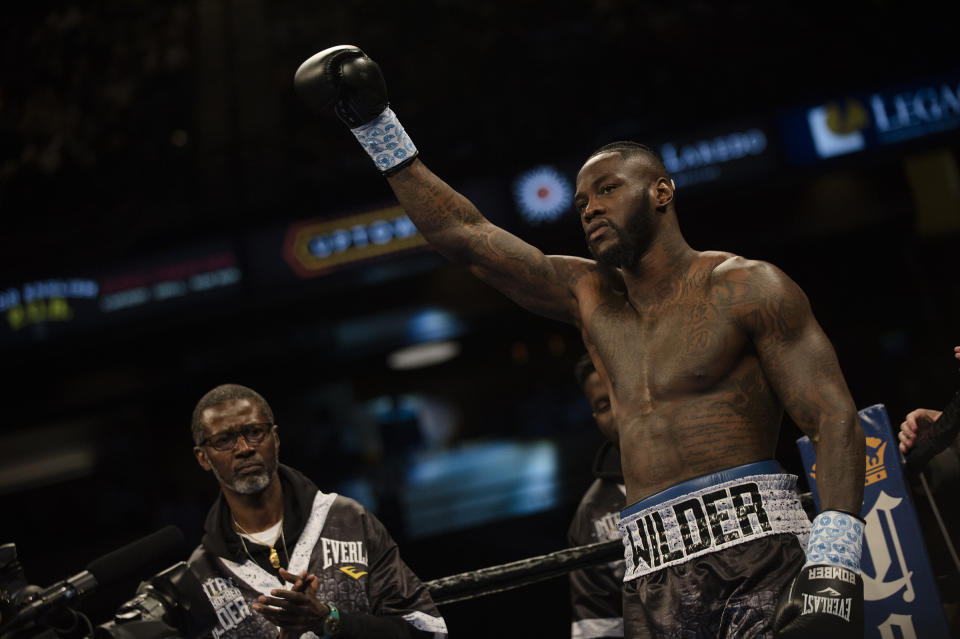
<point x="664" y="189"/>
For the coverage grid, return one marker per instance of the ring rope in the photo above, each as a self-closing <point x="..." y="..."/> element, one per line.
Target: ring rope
<point x="502" y="577"/>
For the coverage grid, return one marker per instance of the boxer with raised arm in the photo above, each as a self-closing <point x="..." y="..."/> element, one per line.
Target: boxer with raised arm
<point x="704" y="350"/>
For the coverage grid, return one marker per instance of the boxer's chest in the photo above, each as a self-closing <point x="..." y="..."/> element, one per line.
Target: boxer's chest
<point x="684" y="346"/>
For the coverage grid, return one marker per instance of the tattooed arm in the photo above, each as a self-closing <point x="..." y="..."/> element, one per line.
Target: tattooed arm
<point x="800" y="363"/>
<point x="452" y="224"/>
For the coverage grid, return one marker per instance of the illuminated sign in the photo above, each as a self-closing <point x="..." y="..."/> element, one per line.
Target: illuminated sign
<point x="41" y="310"/>
<point x="542" y="194"/>
<point x="739" y="149"/>
<point x="838" y="129"/>
<point x="170" y="280"/>
<point x="854" y="124"/>
<point x="709" y="158"/>
<point x="319" y="247"/>
<point x="45" y="301"/>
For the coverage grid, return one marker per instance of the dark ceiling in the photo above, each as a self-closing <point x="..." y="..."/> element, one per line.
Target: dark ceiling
<point x="131" y="128"/>
<point x="127" y="127"/>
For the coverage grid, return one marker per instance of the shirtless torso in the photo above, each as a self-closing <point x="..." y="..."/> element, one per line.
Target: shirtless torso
<point x="688" y="391"/>
<point x="703" y="350"/>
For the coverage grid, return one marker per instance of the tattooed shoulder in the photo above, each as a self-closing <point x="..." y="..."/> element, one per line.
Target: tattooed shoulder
<point x="574" y="270"/>
<point x="738" y="279"/>
<point x="759" y="294"/>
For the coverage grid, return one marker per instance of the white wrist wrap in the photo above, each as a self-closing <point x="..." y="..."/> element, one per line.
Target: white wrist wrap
<point x="836" y="538"/>
<point x="385" y="140"/>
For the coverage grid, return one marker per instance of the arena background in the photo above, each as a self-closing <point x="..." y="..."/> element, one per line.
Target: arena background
<point x="158" y="177"/>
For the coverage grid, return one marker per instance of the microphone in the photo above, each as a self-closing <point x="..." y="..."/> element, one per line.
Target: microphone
<point x="108" y="569"/>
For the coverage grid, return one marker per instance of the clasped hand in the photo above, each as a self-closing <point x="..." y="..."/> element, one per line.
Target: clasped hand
<point x="296" y="610"/>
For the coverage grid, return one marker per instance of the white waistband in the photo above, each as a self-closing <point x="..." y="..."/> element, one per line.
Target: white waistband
<point x="710" y="519"/>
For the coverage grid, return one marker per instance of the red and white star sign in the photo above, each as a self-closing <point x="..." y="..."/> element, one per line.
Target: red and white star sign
<point x="542" y="194"/>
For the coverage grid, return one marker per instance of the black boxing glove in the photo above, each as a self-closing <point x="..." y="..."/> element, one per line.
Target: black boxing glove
<point x="826" y="599"/>
<point x="344" y="77"/>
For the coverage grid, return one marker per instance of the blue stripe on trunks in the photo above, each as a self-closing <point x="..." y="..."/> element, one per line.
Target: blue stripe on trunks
<point x="765" y="467"/>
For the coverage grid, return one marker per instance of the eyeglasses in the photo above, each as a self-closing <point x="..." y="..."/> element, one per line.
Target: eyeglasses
<point x="252" y="433"/>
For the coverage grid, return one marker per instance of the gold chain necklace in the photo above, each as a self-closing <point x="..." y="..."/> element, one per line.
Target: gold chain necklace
<point x="274" y="557"/>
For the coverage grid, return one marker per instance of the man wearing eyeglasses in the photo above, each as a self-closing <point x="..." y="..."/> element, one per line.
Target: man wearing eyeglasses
<point x="280" y="556"/>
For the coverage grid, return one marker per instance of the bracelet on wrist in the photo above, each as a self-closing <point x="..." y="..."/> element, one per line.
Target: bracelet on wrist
<point x="331" y="624"/>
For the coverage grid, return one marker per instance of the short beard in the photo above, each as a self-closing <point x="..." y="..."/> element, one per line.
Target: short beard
<point x="251" y="484"/>
<point x="633" y="240"/>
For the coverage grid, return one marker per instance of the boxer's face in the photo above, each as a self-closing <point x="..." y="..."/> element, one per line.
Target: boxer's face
<point x="598" y="395"/>
<point x="614" y="201"/>
<point x="246" y="468"/>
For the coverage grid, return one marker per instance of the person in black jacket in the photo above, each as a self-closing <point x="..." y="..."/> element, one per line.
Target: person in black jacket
<point x="596" y="592"/>
<point x="279" y="555"/>
<point x="926" y="432"/>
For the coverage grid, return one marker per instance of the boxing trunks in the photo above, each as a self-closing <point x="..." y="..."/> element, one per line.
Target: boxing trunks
<point x="710" y="556"/>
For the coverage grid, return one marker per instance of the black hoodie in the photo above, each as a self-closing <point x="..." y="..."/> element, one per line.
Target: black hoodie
<point x="343" y="544"/>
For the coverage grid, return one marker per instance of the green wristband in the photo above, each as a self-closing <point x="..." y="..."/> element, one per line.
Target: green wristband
<point x="331" y="625"/>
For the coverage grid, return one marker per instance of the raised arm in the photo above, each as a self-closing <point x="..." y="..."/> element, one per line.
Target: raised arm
<point x="452" y="224"/>
<point x="348" y="80"/>
<point x="801" y="365"/>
